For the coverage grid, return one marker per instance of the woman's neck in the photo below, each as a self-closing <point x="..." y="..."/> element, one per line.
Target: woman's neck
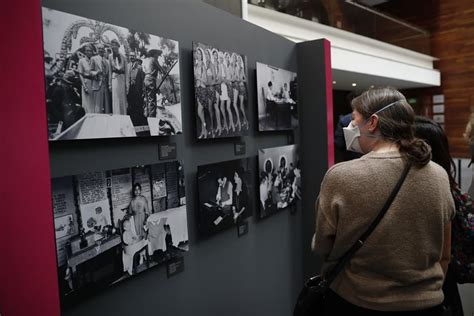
<point x="384" y="146"/>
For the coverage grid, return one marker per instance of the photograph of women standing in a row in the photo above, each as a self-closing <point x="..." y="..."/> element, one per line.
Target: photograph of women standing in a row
<point x="220" y="81"/>
<point x="107" y="81"/>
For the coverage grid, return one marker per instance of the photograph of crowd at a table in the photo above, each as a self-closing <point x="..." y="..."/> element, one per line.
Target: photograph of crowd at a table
<point x="279" y="179"/>
<point x="276" y="98"/>
<point x="110" y="225"/>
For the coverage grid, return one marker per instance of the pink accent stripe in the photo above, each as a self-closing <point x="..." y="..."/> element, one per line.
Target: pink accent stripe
<point x="329" y="104"/>
<point x="28" y="277"/>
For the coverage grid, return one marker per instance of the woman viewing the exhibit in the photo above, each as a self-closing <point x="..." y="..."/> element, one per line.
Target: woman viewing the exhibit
<point x="139" y="210"/>
<point x="401" y="266"/>
<point x="434" y="135"/>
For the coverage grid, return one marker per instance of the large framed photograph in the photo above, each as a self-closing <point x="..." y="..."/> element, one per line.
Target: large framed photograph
<point x="221" y="92"/>
<point x="105" y="81"/>
<point x="110" y="225"/>
<point x="277" y="98"/>
<point x="225" y="194"/>
<point x="280" y="178"/>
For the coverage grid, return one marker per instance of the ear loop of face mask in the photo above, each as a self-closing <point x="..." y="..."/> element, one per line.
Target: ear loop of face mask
<point x="368" y="135"/>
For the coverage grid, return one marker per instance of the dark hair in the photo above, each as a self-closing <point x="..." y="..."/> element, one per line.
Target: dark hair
<point x="395" y="122"/>
<point x="434" y="135"/>
<point x="270" y="84"/>
<point x="114" y="42"/>
<point x="154" y="53"/>
<point x="240" y="171"/>
<point x="136" y="185"/>
<point x="88" y="45"/>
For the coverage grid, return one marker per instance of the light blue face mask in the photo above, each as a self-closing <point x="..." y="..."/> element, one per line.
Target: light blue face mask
<point x="352" y="132"/>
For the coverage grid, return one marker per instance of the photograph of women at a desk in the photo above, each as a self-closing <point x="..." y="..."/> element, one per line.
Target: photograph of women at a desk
<point x="224" y="195"/>
<point x="113" y="224"/>
<point x="279" y="180"/>
<point x="277" y="98"/>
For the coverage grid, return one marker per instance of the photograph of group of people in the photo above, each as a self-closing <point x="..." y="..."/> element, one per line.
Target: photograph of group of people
<point x="225" y="193"/>
<point x="277" y="98"/>
<point x="221" y="95"/>
<point x="280" y="178"/>
<point x="105" y="81"/>
<point x="110" y="225"/>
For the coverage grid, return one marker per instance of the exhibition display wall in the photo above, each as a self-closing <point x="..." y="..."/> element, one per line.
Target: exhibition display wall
<point x="225" y="270"/>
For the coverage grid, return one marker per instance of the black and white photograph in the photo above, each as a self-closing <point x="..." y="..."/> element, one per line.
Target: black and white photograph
<point x="107" y="81"/>
<point x="221" y="92"/>
<point x="225" y="193"/>
<point x="277" y="98"/>
<point x="110" y="225"/>
<point x="279" y="177"/>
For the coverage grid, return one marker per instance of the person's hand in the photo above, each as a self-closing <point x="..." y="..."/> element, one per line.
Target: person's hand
<point x="86" y="90"/>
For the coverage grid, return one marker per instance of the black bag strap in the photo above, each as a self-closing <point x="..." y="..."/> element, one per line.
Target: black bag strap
<point x="348" y="255"/>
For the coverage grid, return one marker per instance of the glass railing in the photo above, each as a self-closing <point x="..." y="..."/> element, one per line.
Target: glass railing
<point x="355" y="17"/>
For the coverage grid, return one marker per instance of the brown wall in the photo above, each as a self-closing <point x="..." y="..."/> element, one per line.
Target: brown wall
<point x="451" y="24"/>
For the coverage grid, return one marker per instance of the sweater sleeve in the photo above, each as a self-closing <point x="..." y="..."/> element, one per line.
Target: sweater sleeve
<point x="326" y="219"/>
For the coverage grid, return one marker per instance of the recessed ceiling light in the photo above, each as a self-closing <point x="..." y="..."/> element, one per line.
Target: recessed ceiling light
<point x="372" y="86"/>
<point x="354" y="84"/>
<point x="334" y="82"/>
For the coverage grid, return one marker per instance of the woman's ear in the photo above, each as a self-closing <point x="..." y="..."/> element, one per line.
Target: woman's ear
<point x="373" y="123"/>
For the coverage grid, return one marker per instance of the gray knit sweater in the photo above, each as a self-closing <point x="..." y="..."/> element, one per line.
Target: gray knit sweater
<point x="398" y="268"/>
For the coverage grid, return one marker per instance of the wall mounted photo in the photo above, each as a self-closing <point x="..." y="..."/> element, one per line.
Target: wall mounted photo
<point x="105" y="81"/>
<point x="225" y="193"/>
<point x="277" y="98"/>
<point x="279" y="178"/>
<point x="221" y="92"/>
<point x="113" y="224"/>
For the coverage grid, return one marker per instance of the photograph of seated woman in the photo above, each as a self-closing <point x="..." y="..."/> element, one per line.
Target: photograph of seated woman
<point x="119" y="228"/>
<point x="279" y="183"/>
<point x="224" y="195"/>
<point x="402" y="266"/>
